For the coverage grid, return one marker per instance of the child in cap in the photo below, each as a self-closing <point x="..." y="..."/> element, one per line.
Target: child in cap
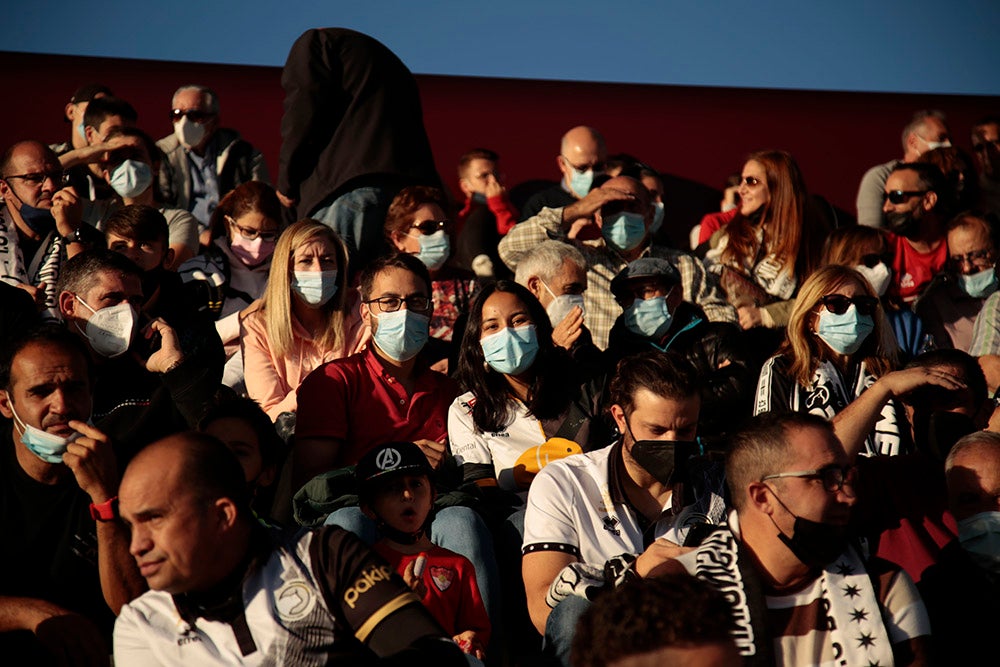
<point x="397" y="492"/>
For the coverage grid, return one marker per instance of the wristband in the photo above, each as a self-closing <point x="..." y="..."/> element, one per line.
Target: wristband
<point x="106" y="511"/>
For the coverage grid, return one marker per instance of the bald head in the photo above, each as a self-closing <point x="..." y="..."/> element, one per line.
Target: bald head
<point x="28" y="149"/>
<point x="630" y="186"/>
<point x="972" y="471"/>
<point x="583" y="145"/>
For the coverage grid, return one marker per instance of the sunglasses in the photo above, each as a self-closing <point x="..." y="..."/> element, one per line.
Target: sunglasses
<point x="428" y="227"/>
<point x="193" y="115"/>
<point x="900" y="196"/>
<point x="838" y="303"/>
<point x="751" y="180"/>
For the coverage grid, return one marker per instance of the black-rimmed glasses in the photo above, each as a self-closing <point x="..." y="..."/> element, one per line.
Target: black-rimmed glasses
<point x="833" y="477"/>
<point x="390" y="304"/>
<point x="39" y="177"/>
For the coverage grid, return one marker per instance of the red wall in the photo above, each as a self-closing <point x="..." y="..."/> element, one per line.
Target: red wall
<point x="700" y="134"/>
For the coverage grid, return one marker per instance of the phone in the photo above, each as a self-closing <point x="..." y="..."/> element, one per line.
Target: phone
<point x="142" y="346"/>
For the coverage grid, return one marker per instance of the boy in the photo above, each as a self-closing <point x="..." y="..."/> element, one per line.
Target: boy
<point x="396" y="491"/>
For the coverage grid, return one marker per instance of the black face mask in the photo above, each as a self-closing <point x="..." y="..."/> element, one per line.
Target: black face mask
<point x="664" y="459"/>
<point x="904" y="224"/>
<point x="815" y="544"/>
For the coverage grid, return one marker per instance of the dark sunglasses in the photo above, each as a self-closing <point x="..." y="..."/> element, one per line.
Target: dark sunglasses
<point x="428" y="227"/>
<point x="899" y="196"/>
<point x="751" y="181"/>
<point x="838" y="303"/>
<point x="193" y="115"/>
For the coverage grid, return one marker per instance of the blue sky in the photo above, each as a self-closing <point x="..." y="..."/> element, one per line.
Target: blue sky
<point x="888" y="46"/>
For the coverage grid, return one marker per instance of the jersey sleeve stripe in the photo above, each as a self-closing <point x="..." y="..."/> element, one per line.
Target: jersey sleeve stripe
<point x="384" y="611"/>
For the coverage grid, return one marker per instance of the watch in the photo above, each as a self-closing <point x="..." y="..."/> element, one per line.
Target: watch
<point x="106" y="511"/>
<point x="75" y="236"/>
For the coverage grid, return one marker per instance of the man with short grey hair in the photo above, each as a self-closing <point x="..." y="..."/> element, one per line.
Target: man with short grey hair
<point x="204" y="161"/>
<point x="926" y="131"/>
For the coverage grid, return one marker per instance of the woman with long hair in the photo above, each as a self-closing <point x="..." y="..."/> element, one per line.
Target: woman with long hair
<point x="522" y="392"/>
<point x="759" y="254"/>
<point x="307" y="316"/>
<point x="836" y="362"/>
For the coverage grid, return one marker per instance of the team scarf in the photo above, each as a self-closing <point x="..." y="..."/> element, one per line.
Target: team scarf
<point x="826" y="395"/>
<point x="849" y="600"/>
<point x="44" y="266"/>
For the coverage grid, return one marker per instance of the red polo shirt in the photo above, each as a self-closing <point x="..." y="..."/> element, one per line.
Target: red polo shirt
<point x="912" y="271"/>
<point x="356" y="401"/>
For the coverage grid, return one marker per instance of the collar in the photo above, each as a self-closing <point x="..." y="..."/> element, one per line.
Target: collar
<point x="377" y="368"/>
<point x="616" y="486"/>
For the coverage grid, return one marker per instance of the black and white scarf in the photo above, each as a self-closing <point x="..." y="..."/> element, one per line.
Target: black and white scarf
<point x="44" y="267"/>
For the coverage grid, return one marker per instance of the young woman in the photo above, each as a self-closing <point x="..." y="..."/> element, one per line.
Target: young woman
<point x="525" y="403"/>
<point x="307" y="316"/>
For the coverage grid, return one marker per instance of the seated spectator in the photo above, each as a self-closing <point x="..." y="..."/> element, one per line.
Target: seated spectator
<point x="961" y="591"/>
<point x="916" y="208"/>
<point x="597" y="520"/>
<point x="307" y="316"/>
<point x="73" y="115"/>
<point x="204" y="161"/>
<point x="486" y="216"/>
<point x="397" y="491"/>
<point x="673" y="619"/>
<point x="385" y="393"/>
<point x="242" y="426"/>
<point x="836" y="362"/>
<point x="64" y="576"/>
<point x="131" y="171"/>
<point x="556" y="274"/>
<point x="799" y="592"/>
<point x="656" y="318"/>
<point x="581" y="159"/>
<point x="955" y="296"/>
<point x="417" y="224"/>
<point x="621" y="211"/>
<point x="40" y="223"/>
<point x="866" y="250"/>
<point x="959" y="174"/>
<point x="527" y="404"/>
<point x="763" y="254"/>
<point x="231" y="271"/>
<point x="146" y="383"/>
<point x="226" y="590"/>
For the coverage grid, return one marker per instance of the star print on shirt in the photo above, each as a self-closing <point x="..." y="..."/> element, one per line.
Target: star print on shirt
<point x="845" y="568"/>
<point x="852" y="591"/>
<point x="866" y="640"/>
<point x="859" y="615"/>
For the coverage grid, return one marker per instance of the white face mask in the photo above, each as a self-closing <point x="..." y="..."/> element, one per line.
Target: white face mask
<point x="110" y="329"/>
<point x="979" y="536"/>
<point x="877" y="276"/>
<point x="561" y="305"/>
<point x="931" y="145"/>
<point x="188" y="132"/>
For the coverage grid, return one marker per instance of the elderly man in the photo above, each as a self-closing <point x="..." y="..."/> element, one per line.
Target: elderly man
<point x="800" y="594"/>
<point x="227" y="591"/>
<point x="621" y="214"/>
<point x="40" y="222"/>
<point x="597" y="520"/>
<point x="204" y="161"/>
<point x="581" y="159"/>
<point x="66" y="571"/>
<point x="950" y="304"/>
<point x="925" y="131"/>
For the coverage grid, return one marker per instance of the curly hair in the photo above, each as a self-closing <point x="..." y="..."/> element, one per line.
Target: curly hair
<point x="405" y="204"/>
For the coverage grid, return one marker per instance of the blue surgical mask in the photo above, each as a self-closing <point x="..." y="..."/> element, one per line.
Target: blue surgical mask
<point x="979" y="536"/>
<point x="434" y="249"/>
<point x="39" y="220"/>
<point x="844" y="333"/>
<point x="81" y="129"/>
<point x="980" y="284"/>
<point x="402" y="334"/>
<point x="650" y="318"/>
<point x="131" y="178"/>
<point x="657" y="217"/>
<point x="46" y="446"/>
<point x="315" y="287"/>
<point x="580" y="181"/>
<point x="624" y="231"/>
<point x="511" y="351"/>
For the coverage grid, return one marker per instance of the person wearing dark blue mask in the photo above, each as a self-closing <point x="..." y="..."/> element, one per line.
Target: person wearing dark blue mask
<point x="656" y="317"/>
<point x="40" y="222"/>
<point x="951" y="303"/>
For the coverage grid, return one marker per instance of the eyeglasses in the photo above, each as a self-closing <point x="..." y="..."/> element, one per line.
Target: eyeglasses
<point x="428" y="227"/>
<point x="38" y="178"/>
<point x="252" y="234"/>
<point x="871" y="260"/>
<point x="193" y="115"/>
<point x="833" y="477"/>
<point x="597" y="166"/>
<point x="899" y="196"/>
<point x="390" y="304"/>
<point x="751" y="181"/>
<point x="980" y="259"/>
<point x="838" y="303"/>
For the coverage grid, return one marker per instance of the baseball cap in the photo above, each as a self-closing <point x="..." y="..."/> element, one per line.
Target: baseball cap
<point x="645" y="267"/>
<point x="389" y="460"/>
<point x="88" y="92"/>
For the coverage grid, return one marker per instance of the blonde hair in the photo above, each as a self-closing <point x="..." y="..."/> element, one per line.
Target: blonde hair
<point x="276" y="306"/>
<point x="803" y="347"/>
